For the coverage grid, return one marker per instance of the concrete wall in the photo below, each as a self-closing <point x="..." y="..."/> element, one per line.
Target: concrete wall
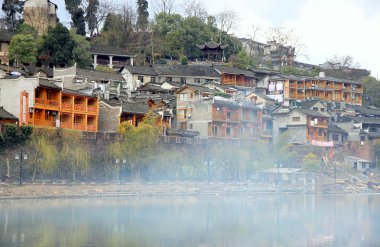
<point x="10" y="90"/>
<point x="297" y="132"/>
<point x="201" y="116"/>
<point x="109" y="118"/>
<point x="189" y="79"/>
<point x="66" y="75"/>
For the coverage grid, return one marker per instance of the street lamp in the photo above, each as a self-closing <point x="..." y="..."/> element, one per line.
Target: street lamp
<point x="21" y="156"/>
<point x="278" y="173"/>
<point x="209" y="162"/>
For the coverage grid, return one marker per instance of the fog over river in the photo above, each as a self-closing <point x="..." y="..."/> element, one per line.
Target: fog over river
<point x="249" y="220"/>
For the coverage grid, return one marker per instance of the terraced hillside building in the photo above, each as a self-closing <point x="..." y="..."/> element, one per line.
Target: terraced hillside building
<point x="289" y="89"/>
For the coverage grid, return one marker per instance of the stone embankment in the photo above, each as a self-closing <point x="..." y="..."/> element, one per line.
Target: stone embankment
<point x="55" y="190"/>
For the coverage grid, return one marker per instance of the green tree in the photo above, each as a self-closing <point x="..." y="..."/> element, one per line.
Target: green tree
<point x="58" y="45"/>
<point x="139" y="144"/>
<point x="91" y="17"/>
<point x="23" y="49"/>
<point x="242" y="60"/>
<point x="81" y="51"/>
<point x="45" y="154"/>
<point x="14" y="136"/>
<point x="371" y="95"/>
<point x="311" y="163"/>
<point x="143" y="14"/>
<point x="77" y="15"/>
<point x="13" y="10"/>
<point x="184" y="60"/>
<point x="27" y="29"/>
<point x="74" y="153"/>
<point x="79" y="22"/>
<point x="104" y="69"/>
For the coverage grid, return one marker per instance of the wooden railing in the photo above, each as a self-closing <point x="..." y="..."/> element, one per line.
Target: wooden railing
<point x="91" y="108"/>
<point x="219" y="117"/>
<point x="91" y="128"/>
<point x="79" y="107"/>
<point x="66" y="105"/>
<point x="78" y="126"/>
<point x="66" y="125"/>
<point x="41" y="122"/>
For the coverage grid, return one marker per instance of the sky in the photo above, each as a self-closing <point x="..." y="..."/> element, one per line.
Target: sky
<point x="325" y="27"/>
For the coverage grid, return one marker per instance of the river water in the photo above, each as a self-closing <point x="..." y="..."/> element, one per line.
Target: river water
<point x="196" y="221"/>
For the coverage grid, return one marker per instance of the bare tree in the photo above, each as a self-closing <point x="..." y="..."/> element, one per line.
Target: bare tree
<point x="346" y="61"/>
<point x="227" y="20"/>
<point x="194" y="8"/>
<point x="286" y="43"/>
<point x="164" y="6"/>
<point x="105" y="7"/>
<point x="255" y="32"/>
<point x="38" y="18"/>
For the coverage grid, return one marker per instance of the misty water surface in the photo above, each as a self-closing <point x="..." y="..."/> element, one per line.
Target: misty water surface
<point x="259" y="220"/>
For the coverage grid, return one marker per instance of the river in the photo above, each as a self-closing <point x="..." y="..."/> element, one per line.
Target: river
<point x="196" y="221"/>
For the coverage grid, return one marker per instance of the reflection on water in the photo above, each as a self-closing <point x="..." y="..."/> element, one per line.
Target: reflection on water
<point x="260" y="220"/>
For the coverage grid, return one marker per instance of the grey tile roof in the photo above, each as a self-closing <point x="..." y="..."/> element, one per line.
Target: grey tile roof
<point x="100" y="75"/>
<point x="108" y="50"/>
<point x="141" y="70"/>
<point x="31" y="70"/>
<point x="69" y="91"/>
<point x="186" y="70"/>
<point x="263" y="96"/>
<point x="212" y="45"/>
<point x="334" y="128"/>
<point x="366" y="111"/>
<point x="184" y="133"/>
<point x="135" y="107"/>
<point x="5" y="115"/>
<point x="312" y="113"/>
<point x="48" y="84"/>
<point x="366" y="120"/>
<point x="234" y="71"/>
<point x="5" y="36"/>
<point x="308" y="104"/>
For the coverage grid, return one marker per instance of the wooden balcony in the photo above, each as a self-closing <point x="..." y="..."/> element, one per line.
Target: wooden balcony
<point x="66" y="125"/>
<point x="91" y="128"/>
<point x="92" y="108"/>
<point x="219" y="117"/>
<point x="80" y="107"/>
<point x="79" y="126"/>
<point x="40" y="101"/>
<point x="66" y="105"/>
<point x="45" y="123"/>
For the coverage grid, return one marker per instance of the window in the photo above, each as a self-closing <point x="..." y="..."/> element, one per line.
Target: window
<point x="214" y="130"/>
<point x="228" y="115"/>
<point x="197" y="80"/>
<point x="183" y="79"/>
<point x="183" y="96"/>
<point x="153" y="79"/>
<point x="296" y="119"/>
<point x="335" y="137"/>
<point x="315" y="108"/>
<point x="322" y="109"/>
<point x="362" y="138"/>
<point x="228" y="130"/>
<point x="320" y="132"/>
<point x="140" y="78"/>
<point x="169" y="79"/>
<point x="182" y="114"/>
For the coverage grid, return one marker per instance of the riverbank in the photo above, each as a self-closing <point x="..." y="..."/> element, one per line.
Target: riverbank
<point x="56" y="190"/>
